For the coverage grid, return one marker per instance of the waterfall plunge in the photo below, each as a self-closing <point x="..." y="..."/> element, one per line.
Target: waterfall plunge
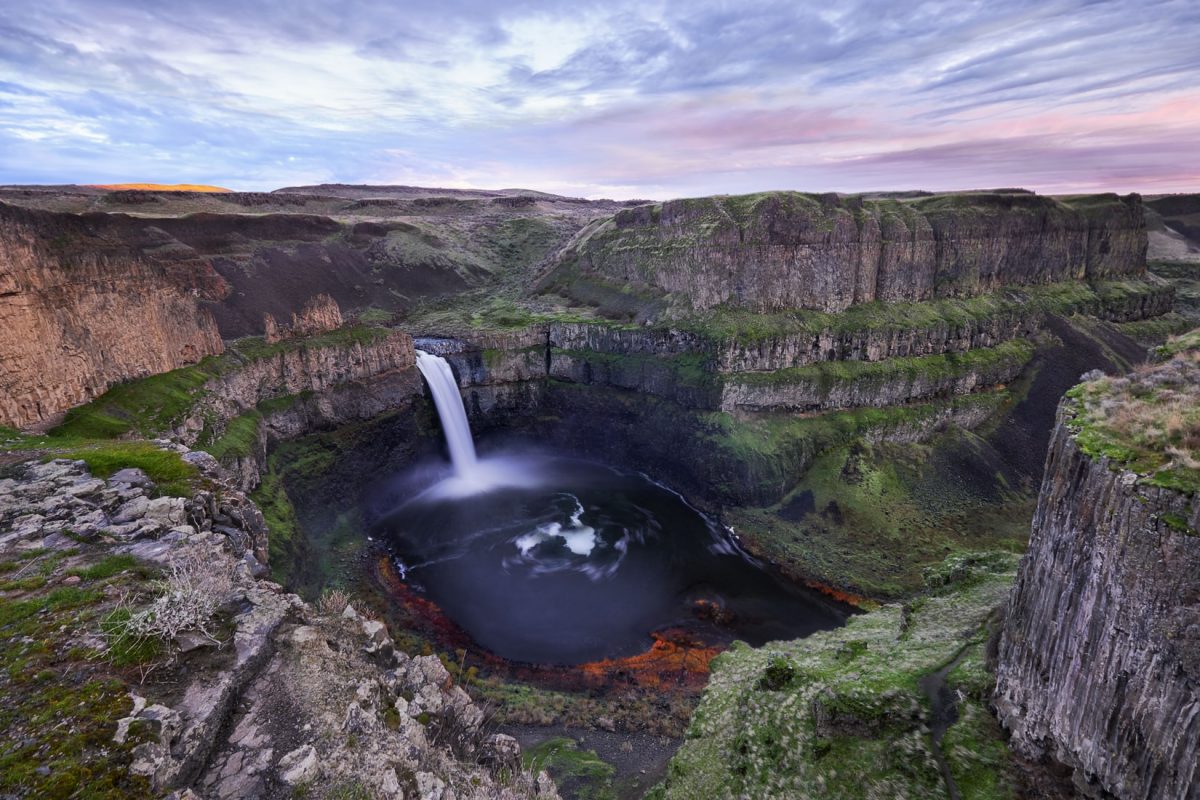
<point x="450" y="410"/>
<point x="472" y="475"/>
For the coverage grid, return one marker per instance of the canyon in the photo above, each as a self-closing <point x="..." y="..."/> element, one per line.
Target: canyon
<point x="862" y="387"/>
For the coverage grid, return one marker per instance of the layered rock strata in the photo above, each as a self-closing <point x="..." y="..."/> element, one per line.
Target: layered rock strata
<point x="1099" y="665"/>
<point x="79" y="313"/>
<point x="302" y="388"/>
<point x="784" y="250"/>
<point x="321" y="314"/>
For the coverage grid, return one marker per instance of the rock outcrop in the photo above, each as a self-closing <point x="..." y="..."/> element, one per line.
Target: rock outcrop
<point x="301" y="387"/>
<point x="841" y="715"/>
<point x="786" y="250"/>
<point x="287" y="699"/>
<point x="1099" y="665"/>
<point x="79" y="313"/>
<point x="321" y="314"/>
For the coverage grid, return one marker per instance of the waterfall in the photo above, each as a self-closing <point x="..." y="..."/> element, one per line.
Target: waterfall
<point x="450" y="410"/>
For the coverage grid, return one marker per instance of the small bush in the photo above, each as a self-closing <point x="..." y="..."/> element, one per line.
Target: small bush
<point x="779" y="675"/>
<point x="185" y="600"/>
<point x="333" y="601"/>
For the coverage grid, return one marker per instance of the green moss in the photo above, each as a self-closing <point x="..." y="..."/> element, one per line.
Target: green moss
<point x="724" y="325"/>
<point x="1178" y="522"/>
<point x="1157" y="329"/>
<point x="375" y="316"/>
<point x="579" y="773"/>
<point x="256" y="348"/>
<point x="851" y="726"/>
<point x="146" y="406"/>
<point x="149" y="406"/>
<point x="874" y="517"/>
<point x="1182" y="343"/>
<point x="1006" y="356"/>
<point x="283" y="403"/>
<point x="170" y="473"/>
<point x="1147" y="422"/>
<point x="239" y="439"/>
<point x="57" y="704"/>
<point x="106" y="567"/>
<point x="272" y="499"/>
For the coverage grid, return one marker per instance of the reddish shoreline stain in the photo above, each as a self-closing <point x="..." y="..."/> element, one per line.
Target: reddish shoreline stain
<point x="677" y="660"/>
<point x="855" y="600"/>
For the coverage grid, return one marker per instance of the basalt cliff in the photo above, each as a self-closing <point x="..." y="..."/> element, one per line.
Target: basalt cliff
<point x="1099" y="664"/>
<point x="80" y="312"/>
<point x="786" y="250"/>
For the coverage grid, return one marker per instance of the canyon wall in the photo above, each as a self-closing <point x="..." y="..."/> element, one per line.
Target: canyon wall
<point x="787" y="250"/>
<point x="303" y="387"/>
<point x="79" y="313"/>
<point x="1099" y="664"/>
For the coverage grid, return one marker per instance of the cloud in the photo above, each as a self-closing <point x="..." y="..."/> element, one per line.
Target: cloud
<point x="619" y="98"/>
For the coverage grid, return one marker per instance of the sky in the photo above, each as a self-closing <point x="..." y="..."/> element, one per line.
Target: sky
<point x="618" y="99"/>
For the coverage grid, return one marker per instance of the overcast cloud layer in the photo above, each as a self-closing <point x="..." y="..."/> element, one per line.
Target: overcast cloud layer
<point x="616" y="99"/>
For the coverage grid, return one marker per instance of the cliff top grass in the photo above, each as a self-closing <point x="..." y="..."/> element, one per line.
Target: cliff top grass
<point x="742" y="209"/>
<point x="1148" y="421"/>
<point x="170" y="473"/>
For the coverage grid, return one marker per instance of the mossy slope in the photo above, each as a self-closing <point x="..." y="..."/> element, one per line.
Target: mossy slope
<point x="842" y="714"/>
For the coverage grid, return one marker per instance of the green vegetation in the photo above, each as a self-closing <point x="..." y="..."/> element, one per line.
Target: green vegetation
<point x="725" y="324"/>
<point x="772" y="438"/>
<point x="256" y="348"/>
<point x="1184" y="276"/>
<point x="239" y="438"/>
<point x="578" y="773"/>
<point x="126" y="648"/>
<point x="106" y="567"/>
<point x="1178" y="344"/>
<point x="58" y="700"/>
<point x="1157" y="329"/>
<point x="148" y="407"/>
<point x="170" y="473"/>
<point x="1147" y="422"/>
<point x="145" y="407"/>
<point x="272" y="499"/>
<point x="842" y="714"/>
<point x="375" y="316"/>
<point x="1004" y="357"/>
<point x="870" y="518"/>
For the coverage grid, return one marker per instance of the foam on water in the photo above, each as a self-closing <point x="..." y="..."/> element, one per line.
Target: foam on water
<point x="580" y="539"/>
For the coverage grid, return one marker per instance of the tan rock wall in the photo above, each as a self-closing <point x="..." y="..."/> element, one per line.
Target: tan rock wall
<point x="78" y="315"/>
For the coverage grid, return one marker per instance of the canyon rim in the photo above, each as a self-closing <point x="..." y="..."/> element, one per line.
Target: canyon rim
<point x="756" y="449"/>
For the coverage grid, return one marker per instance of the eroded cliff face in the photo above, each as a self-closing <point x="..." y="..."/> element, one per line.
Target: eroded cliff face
<point x="783" y="250"/>
<point x="1099" y="665"/>
<point x="301" y="389"/>
<point x="78" y="314"/>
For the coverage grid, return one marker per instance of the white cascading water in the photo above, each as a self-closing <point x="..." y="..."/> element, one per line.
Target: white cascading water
<point x="450" y="410"/>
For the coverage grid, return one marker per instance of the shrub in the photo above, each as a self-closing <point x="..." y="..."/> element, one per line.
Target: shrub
<point x="185" y="600"/>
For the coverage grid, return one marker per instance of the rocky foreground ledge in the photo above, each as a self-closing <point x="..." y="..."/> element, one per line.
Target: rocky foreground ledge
<point x="249" y="693"/>
<point x="1099" y="666"/>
